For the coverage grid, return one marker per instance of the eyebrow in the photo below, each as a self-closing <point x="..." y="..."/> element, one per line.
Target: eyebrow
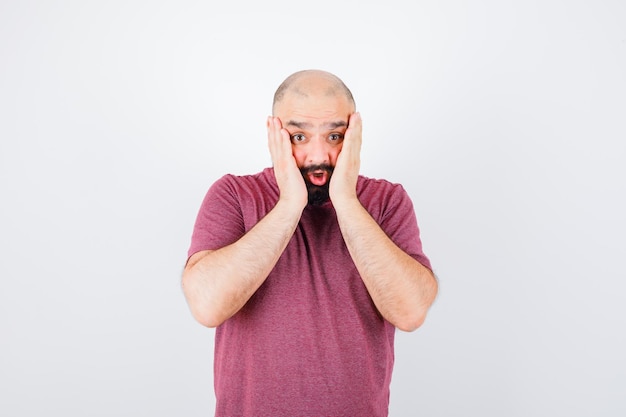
<point x="306" y="125"/>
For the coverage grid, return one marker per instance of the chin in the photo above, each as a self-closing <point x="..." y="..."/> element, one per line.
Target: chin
<point x="318" y="194"/>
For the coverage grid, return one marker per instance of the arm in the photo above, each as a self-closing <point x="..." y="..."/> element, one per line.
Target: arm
<point x="402" y="289"/>
<point x="218" y="283"/>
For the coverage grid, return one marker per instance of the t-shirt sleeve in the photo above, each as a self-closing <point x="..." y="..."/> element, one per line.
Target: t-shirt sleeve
<point x="220" y="221"/>
<point x="399" y="222"/>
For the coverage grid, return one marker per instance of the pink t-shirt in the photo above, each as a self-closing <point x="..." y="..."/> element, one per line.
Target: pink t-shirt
<point x="310" y="341"/>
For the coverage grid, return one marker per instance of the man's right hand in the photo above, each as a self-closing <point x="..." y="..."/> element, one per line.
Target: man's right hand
<point x="288" y="177"/>
<point x="218" y="283"/>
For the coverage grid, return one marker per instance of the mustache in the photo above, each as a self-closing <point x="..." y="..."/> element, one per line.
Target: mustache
<point x="317" y="167"/>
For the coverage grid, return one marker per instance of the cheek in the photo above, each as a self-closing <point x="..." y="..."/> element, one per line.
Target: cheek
<point x="299" y="155"/>
<point x="334" y="153"/>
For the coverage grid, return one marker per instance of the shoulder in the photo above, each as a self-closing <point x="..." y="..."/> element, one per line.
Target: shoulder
<point x="382" y="198"/>
<point x="254" y="193"/>
<point x="260" y="181"/>
<point x="378" y="188"/>
<point x="260" y="178"/>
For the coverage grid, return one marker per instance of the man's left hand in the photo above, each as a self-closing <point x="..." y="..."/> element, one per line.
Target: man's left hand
<point x="342" y="188"/>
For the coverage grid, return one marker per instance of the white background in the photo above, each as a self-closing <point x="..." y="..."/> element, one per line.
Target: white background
<point x="505" y="121"/>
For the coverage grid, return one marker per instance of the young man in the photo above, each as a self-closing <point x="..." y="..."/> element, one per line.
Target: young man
<point x="307" y="268"/>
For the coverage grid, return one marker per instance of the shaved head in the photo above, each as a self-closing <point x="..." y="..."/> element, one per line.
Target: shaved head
<point x="309" y="83"/>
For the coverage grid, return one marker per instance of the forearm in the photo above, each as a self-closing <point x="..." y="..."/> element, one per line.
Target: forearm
<point x="218" y="284"/>
<point x="402" y="289"/>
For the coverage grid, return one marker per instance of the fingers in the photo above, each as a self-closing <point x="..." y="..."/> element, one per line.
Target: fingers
<point x="353" y="135"/>
<point x="351" y="149"/>
<point x="343" y="184"/>
<point x="288" y="176"/>
<point x="278" y="140"/>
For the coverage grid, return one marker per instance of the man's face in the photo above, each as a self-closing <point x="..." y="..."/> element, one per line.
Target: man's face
<point x="316" y="124"/>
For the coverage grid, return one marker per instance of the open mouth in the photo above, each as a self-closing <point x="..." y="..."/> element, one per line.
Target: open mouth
<point x="318" y="177"/>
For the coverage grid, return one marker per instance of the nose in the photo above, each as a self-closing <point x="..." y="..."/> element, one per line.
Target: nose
<point x="319" y="151"/>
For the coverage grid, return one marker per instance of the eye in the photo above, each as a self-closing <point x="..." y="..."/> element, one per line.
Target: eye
<point x="298" y="138"/>
<point x="335" y="137"/>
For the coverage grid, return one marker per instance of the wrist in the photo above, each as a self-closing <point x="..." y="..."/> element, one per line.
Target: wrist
<point x="290" y="208"/>
<point x="346" y="204"/>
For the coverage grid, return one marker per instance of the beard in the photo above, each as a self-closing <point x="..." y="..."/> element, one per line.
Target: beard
<point x="318" y="194"/>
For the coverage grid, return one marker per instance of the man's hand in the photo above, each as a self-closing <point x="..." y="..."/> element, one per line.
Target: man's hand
<point x="342" y="187"/>
<point x="401" y="288"/>
<point x="288" y="176"/>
